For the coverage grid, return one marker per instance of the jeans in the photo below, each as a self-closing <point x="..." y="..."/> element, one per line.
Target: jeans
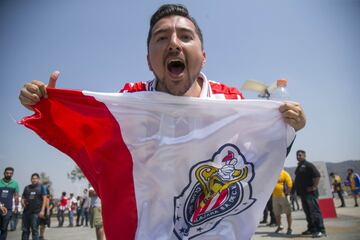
<point x="341" y="198"/>
<point x="60" y="217"/>
<point x="14" y="221"/>
<point x="312" y="212"/>
<point x="85" y="216"/>
<point x="71" y="218"/>
<point x="78" y="216"/>
<point x="30" y="221"/>
<point x="4" y="222"/>
<point x="48" y="222"/>
<point x="294" y="200"/>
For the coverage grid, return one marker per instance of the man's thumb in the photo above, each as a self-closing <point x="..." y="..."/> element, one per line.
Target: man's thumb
<point x="53" y="78"/>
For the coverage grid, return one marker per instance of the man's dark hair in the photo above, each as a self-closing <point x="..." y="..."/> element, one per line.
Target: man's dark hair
<point x="351" y="170"/>
<point x="9" y="169"/>
<point x="301" y="151"/>
<point x="35" y="175"/>
<point x="332" y="174"/>
<point x="167" y="10"/>
<point x="63" y="194"/>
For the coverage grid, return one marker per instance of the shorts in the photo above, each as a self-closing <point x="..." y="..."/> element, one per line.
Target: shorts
<point x="96" y="217"/>
<point x="44" y="221"/>
<point x="281" y="205"/>
<point x="355" y="191"/>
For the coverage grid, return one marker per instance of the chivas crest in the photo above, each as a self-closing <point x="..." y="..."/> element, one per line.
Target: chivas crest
<point x="219" y="187"/>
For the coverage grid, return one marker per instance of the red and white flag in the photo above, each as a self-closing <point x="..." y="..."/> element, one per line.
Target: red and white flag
<point x="170" y="167"/>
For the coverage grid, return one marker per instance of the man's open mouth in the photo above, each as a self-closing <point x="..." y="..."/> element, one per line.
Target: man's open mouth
<point x="175" y="67"/>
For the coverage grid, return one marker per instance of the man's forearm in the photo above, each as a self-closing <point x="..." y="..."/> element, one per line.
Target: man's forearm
<point x="44" y="204"/>
<point x="22" y="203"/>
<point x="16" y="196"/>
<point x="316" y="182"/>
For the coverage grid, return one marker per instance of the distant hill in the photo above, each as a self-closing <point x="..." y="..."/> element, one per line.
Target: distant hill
<point x="339" y="168"/>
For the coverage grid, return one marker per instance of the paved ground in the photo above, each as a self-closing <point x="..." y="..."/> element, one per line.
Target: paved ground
<point x="345" y="227"/>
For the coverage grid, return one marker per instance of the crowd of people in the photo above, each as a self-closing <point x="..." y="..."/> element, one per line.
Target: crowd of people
<point x="305" y="185"/>
<point x="36" y="206"/>
<point x="350" y="186"/>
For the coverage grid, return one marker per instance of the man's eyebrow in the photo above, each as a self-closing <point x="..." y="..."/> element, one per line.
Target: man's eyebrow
<point x="167" y="29"/>
<point x="185" y="29"/>
<point x="160" y="30"/>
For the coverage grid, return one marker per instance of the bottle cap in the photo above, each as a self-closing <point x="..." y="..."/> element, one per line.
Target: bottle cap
<point x="281" y="82"/>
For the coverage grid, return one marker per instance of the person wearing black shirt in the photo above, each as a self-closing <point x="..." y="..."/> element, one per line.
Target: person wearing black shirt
<point x="9" y="192"/>
<point x="306" y="182"/>
<point x="33" y="201"/>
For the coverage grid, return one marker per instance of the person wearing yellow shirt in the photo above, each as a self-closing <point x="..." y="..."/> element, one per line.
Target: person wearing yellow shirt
<point x="280" y="201"/>
<point x="336" y="182"/>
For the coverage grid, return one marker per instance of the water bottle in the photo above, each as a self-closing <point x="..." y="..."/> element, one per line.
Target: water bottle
<point x="280" y="93"/>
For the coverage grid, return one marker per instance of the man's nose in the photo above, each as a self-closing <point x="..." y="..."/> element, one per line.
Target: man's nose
<point x="174" y="43"/>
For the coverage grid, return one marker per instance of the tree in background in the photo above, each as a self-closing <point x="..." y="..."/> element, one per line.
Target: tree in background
<point x="77" y="175"/>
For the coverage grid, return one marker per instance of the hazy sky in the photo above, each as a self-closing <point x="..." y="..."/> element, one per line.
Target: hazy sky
<point x="100" y="45"/>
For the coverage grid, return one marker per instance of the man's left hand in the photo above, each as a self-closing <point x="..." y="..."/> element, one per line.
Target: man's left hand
<point x="293" y="114"/>
<point x="42" y="214"/>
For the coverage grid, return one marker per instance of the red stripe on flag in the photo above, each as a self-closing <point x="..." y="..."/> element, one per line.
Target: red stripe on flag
<point x="84" y="129"/>
<point x="221" y="198"/>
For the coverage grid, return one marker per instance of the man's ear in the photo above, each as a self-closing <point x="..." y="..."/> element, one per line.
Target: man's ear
<point x="204" y="59"/>
<point x="149" y="64"/>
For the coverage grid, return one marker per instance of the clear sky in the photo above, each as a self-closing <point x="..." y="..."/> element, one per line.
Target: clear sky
<point x="100" y="45"/>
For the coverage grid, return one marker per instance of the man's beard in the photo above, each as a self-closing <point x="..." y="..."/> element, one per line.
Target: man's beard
<point x="161" y="84"/>
<point x="7" y="178"/>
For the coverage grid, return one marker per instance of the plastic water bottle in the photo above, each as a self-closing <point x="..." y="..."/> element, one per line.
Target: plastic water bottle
<point x="280" y="93"/>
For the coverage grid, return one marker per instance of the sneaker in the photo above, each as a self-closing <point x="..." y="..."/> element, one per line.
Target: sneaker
<point x="289" y="231"/>
<point x="307" y="232"/>
<point x="356" y="205"/>
<point x="318" y="235"/>
<point x="279" y="228"/>
<point x="263" y="221"/>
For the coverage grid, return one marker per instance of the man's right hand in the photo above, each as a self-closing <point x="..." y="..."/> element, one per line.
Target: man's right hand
<point x="33" y="91"/>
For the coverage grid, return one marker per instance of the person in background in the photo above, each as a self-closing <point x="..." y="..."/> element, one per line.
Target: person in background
<point x="78" y="210"/>
<point x="61" y="209"/>
<point x="280" y="202"/>
<point x="15" y="216"/>
<point x="269" y="209"/>
<point x="307" y="179"/>
<point x="95" y="212"/>
<point x="294" y="199"/>
<point x="71" y="208"/>
<point x="354" y="183"/>
<point x="9" y="197"/>
<point x="51" y="209"/>
<point x="34" y="203"/>
<point x="336" y="183"/>
<point x="85" y="208"/>
<point x="43" y="222"/>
